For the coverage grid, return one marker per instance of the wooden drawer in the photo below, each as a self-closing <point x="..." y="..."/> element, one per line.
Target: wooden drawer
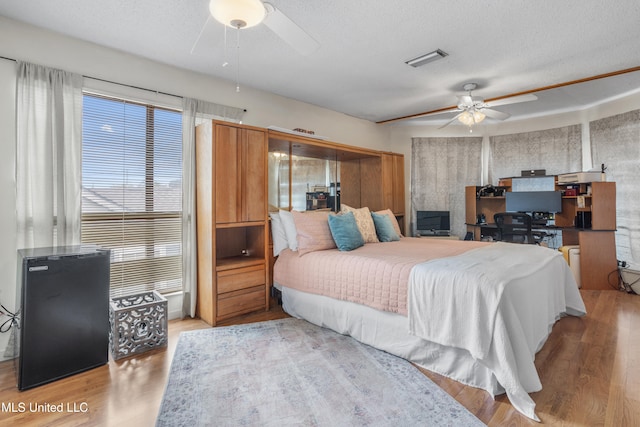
<point x="242" y="301"/>
<point x="240" y="278"/>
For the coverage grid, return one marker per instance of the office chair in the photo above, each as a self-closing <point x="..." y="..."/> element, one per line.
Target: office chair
<point x="514" y="227"/>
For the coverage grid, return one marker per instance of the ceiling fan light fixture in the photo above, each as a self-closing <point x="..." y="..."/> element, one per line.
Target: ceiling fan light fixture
<point x="478" y="116"/>
<point x="238" y="13"/>
<point x="426" y="58"/>
<point x="466" y="118"/>
<point x="471" y="117"/>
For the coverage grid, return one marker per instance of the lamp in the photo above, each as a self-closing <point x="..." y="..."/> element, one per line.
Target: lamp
<point x="238" y="13"/>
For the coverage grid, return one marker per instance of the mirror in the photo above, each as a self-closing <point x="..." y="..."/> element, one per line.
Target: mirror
<point x="303" y="183"/>
<point x="306" y="174"/>
<point x="279" y="180"/>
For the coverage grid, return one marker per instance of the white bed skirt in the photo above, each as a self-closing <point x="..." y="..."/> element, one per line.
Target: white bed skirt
<point x="525" y="313"/>
<point x="389" y="332"/>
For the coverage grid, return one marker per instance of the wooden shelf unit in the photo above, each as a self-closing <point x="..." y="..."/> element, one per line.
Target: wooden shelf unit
<point x="475" y="206"/>
<point x="231" y="209"/>
<point x="601" y="203"/>
<point x="393" y="195"/>
<point x="370" y="178"/>
<point x="598" y="258"/>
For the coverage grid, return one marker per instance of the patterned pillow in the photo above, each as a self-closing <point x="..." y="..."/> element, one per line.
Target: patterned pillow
<point x="313" y="231"/>
<point x="394" y="220"/>
<point x="365" y="223"/>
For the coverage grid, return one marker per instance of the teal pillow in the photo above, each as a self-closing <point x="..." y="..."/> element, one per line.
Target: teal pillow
<point x="344" y="230"/>
<point x="384" y="228"/>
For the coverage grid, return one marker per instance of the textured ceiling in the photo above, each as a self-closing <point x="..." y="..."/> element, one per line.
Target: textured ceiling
<point x="506" y="46"/>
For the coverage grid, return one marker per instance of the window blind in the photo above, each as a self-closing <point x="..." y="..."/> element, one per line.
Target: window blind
<point x="132" y="191"/>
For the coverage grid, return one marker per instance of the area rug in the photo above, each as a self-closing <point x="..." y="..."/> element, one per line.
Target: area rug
<point x="290" y="372"/>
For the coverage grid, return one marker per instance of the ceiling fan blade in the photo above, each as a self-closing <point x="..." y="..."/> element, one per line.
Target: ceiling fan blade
<point x="512" y="100"/>
<point x="494" y="114"/>
<point x="450" y="121"/>
<point x="202" y="45"/>
<point x="289" y="31"/>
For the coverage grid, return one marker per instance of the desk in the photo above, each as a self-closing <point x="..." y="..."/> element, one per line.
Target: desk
<point x="598" y="262"/>
<point x="597" y="250"/>
<point x="549" y="234"/>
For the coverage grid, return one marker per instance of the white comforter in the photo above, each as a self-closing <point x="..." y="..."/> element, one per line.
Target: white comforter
<point x="504" y="317"/>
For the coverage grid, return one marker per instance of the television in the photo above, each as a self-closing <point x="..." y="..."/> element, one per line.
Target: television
<point x="533" y="201"/>
<point x="433" y="223"/>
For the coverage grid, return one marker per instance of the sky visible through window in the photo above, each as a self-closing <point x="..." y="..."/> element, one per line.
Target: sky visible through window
<point x="115" y="158"/>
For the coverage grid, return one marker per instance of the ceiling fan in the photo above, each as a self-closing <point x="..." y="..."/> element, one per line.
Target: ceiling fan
<point x="472" y="109"/>
<point x="241" y="14"/>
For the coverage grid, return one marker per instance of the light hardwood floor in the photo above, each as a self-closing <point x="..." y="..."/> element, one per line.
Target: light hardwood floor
<point x="589" y="367"/>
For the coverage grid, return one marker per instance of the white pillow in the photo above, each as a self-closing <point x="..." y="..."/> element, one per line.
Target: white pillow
<point x="289" y="229"/>
<point x="278" y="235"/>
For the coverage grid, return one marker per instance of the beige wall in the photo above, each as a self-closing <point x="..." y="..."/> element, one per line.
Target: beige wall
<point x="27" y="43"/>
<point x="24" y="42"/>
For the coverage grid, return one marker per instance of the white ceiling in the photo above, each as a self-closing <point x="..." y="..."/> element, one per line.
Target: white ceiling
<point x="506" y="46"/>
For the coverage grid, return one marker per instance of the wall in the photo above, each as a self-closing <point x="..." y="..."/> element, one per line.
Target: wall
<point x="28" y="43"/>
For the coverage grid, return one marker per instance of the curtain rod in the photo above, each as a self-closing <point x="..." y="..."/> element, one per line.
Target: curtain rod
<point x="121" y="84"/>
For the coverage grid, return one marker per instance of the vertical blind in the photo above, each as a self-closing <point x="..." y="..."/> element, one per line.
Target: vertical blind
<point x="132" y="191"/>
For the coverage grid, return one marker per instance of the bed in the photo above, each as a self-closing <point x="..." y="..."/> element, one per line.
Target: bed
<point x="472" y="311"/>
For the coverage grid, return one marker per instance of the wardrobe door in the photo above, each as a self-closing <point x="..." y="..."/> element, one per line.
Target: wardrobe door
<point x="254" y="175"/>
<point x="227" y="186"/>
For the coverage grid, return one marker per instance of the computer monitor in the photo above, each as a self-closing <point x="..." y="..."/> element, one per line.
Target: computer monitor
<point x="433" y="222"/>
<point x="534" y="201"/>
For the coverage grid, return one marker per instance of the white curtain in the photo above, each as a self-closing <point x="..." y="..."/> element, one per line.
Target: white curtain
<point x="193" y="113"/>
<point x="440" y="170"/>
<point x="615" y="141"/>
<point x="555" y="150"/>
<point x="48" y="156"/>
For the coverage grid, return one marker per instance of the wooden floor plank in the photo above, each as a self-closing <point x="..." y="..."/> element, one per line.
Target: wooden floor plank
<point x="588" y="368"/>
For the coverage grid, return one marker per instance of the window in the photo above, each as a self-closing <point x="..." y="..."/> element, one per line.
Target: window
<point x="132" y="191"/>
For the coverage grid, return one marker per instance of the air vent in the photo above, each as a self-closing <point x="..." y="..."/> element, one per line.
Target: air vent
<point x="423" y="59"/>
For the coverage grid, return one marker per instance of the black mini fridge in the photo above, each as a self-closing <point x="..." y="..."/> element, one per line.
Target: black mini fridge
<point x="63" y="302"/>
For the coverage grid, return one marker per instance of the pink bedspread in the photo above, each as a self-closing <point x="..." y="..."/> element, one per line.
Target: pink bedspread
<point x="376" y="274"/>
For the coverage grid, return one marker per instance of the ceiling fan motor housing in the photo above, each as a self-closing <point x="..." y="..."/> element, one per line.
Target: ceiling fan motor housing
<point x="471" y="102"/>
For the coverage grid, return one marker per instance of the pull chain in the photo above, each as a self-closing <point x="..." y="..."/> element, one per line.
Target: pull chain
<point x="226" y="56"/>
<point x="238" y="59"/>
